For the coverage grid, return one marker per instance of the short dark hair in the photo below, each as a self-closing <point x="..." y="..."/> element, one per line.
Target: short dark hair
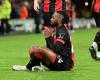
<point x="66" y="18"/>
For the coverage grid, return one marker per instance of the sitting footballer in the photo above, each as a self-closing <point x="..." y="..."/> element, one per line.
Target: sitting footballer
<point x="58" y="55"/>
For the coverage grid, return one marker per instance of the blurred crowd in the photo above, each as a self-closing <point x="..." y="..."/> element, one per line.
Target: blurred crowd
<point x="23" y="9"/>
<point x="17" y="9"/>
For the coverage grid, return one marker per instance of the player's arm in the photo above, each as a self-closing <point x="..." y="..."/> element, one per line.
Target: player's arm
<point x="60" y="42"/>
<point x="59" y="45"/>
<point x="36" y="5"/>
<point x="49" y="43"/>
<point x="48" y="37"/>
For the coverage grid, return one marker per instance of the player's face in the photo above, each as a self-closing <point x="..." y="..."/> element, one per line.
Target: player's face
<point x="54" y="19"/>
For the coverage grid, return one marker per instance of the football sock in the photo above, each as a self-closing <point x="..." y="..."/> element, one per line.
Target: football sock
<point x="33" y="62"/>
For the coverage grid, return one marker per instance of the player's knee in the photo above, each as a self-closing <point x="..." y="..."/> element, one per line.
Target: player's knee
<point x="98" y="31"/>
<point x="31" y="51"/>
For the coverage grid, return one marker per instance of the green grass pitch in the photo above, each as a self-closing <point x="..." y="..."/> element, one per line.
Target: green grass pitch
<point x="14" y="50"/>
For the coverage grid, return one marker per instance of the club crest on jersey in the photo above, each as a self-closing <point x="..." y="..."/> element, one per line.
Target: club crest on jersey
<point x="61" y="35"/>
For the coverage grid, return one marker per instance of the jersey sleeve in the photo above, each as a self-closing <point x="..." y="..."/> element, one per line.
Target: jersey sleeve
<point x="49" y="43"/>
<point x="61" y="40"/>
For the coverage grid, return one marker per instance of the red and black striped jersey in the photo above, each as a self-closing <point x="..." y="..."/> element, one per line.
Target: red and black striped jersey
<point x="96" y="6"/>
<point x="60" y="43"/>
<point x="54" y="5"/>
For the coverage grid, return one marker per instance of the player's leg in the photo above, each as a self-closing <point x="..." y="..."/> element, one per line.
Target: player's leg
<point x="96" y="44"/>
<point x="59" y="63"/>
<point x="42" y="54"/>
<point x="36" y="56"/>
<point x="95" y="48"/>
<point x="34" y="61"/>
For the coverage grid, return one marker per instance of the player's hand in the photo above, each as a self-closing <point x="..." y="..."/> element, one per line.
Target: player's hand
<point x="48" y="31"/>
<point x="36" y="6"/>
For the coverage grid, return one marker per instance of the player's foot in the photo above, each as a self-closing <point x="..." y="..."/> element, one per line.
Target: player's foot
<point x="93" y="52"/>
<point x="38" y="69"/>
<point x="19" y="68"/>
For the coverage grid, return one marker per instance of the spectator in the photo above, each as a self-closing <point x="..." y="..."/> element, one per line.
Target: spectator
<point x="23" y="11"/>
<point x="15" y="9"/>
<point x="5" y="11"/>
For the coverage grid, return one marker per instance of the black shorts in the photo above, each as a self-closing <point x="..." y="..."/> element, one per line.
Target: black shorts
<point x="60" y="64"/>
<point x="97" y="18"/>
<point x="48" y="16"/>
